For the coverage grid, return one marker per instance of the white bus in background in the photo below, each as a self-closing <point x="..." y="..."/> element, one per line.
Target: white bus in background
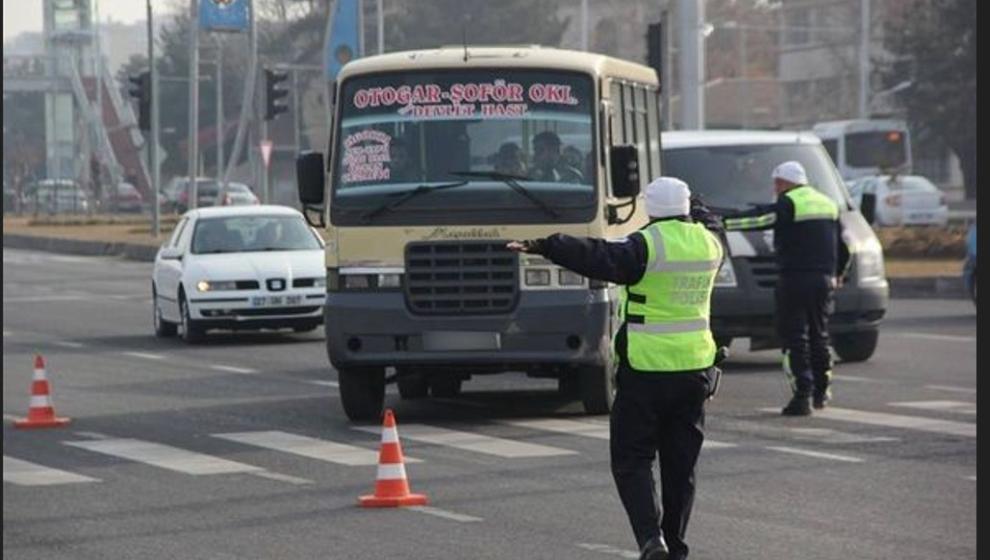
<point x="863" y="147"/>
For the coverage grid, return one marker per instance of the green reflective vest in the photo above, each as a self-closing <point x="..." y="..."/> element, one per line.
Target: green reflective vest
<point x="809" y="204"/>
<point x="667" y="311"/>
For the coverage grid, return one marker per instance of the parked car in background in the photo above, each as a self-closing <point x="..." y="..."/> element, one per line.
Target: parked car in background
<point x="238" y="194"/>
<point x="126" y="198"/>
<point x="969" y="268"/>
<point x="55" y="196"/>
<point x="177" y="193"/>
<point x="903" y="200"/>
<point x="240" y="268"/>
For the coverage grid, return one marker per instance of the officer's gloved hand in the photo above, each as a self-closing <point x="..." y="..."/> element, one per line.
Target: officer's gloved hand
<point x="532" y="246"/>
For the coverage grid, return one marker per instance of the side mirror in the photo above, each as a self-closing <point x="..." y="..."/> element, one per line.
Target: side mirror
<point x="624" y="161"/>
<point x="310" y="178"/>
<point x="171" y="254"/>
<point x="868" y="206"/>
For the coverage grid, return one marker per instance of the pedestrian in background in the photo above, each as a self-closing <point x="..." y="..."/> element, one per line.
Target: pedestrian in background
<point x="812" y="259"/>
<point x="665" y="351"/>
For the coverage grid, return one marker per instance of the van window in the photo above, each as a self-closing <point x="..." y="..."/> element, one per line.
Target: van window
<point x="736" y="177"/>
<point x="618" y="132"/>
<point x="642" y="135"/>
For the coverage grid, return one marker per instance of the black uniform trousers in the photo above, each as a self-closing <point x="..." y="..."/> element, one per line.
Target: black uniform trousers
<point x="805" y="300"/>
<point x="657" y="414"/>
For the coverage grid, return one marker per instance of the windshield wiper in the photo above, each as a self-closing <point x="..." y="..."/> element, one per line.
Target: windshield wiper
<point x="405" y="196"/>
<point x="513" y="182"/>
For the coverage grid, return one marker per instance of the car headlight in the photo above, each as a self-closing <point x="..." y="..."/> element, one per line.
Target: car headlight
<point x="726" y="277"/>
<point x="537" y="277"/>
<point x="869" y="266"/>
<point x="213" y="286"/>
<point x="568" y="278"/>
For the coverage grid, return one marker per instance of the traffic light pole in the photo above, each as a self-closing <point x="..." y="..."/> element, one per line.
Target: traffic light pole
<point x="265" y="182"/>
<point x="193" y="153"/>
<point x="153" y="144"/>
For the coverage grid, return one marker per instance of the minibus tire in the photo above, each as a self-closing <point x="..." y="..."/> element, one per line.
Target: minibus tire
<point x="445" y="386"/>
<point x="597" y="388"/>
<point x="362" y="392"/>
<point x="856" y="346"/>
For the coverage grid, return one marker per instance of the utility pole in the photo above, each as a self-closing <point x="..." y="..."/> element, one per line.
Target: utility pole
<point x="193" y="153"/>
<point x="692" y="18"/>
<point x="667" y="74"/>
<point x="381" y="27"/>
<point x="153" y="145"/>
<point x="220" y="119"/>
<point x="864" y="59"/>
<point x="584" y="25"/>
<point x="246" y="104"/>
<point x="296" y="111"/>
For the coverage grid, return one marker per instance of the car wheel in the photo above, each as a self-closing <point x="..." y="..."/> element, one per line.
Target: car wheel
<point x="445" y="386"/>
<point x="163" y="328"/>
<point x="412" y="385"/>
<point x="362" y="392"/>
<point x="192" y="333"/>
<point x="597" y="387"/>
<point x="856" y="346"/>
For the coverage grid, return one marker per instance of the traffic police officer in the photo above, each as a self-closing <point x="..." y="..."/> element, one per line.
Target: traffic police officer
<point x="665" y="352"/>
<point x="812" y="259"/>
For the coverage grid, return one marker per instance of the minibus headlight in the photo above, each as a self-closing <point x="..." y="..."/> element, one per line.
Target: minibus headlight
<point x="726" y="277"/>
<point x="568" y="278"/>
<point x="869" y="267"/>
<point x="537" y="277"/>
<point x="362" y="280"/>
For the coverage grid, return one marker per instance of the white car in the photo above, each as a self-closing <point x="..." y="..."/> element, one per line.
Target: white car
<point x="903" y="200"/>
<point x="237" y="194"/>
<point x="239" y="267"/>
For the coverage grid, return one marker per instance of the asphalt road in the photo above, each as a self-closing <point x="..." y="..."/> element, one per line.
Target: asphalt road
<point x="238" y="448"/>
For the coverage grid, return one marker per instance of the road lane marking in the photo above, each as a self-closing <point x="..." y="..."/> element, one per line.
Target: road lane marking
<point x="817" y="454"/>
<point x="607" y="549"/>
<point x="586" y="429"/>
<point x="319" y="449"/>
<point x="856" y="379"/>
<point x="919" y="423"/>
<point x="323" y="383"/>
<point x="446" y="514"/>
<point x="826" y="435"/>
<point x="144" y="355"/>
<point x="92" y="435"/>
<point x="952" y="389"/>
<point x="24" y="473"/>
<point x="7" y="333"/>
<point x="164" y="456"/>
<point x="233" y="369"/>
<point x="943" y="337"/>
<point x="68" y="344"/>
<point x="973" y="478"/>
<point x="42" y="299"/>
<point x="470" y="441"/>
<point x="281" y="477"/>
<point x="947" y="406"/>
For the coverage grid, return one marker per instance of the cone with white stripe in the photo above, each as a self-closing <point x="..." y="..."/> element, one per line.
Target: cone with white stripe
<point x="41" y="413"/>
<point x="391" y="485"/>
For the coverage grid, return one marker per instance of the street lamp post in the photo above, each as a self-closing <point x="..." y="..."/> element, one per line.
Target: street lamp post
<point x="153" y="145"/>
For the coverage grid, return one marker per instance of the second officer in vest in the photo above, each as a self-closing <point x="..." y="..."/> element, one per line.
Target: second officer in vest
<point x="811" y="256"/>
<point x="665" y="350"/>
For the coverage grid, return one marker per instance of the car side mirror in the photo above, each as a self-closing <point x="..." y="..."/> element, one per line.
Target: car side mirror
<point x="868" y="206"/>
<point x="624" y="161"/>
<point x="310" y="178"/>
<point x="171" y="254"/>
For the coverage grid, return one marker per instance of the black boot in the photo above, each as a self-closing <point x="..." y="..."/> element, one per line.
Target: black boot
<point x="821" y="397"/>
<point x="655" y="549"/>
<point x="799" y="406"/>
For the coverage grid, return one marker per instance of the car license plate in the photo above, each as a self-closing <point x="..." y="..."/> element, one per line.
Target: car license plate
<point x="258" y="301"/>
<point x="275" y="300"/>
<point x="921" y="217"/>
<point x="293" y="300"/>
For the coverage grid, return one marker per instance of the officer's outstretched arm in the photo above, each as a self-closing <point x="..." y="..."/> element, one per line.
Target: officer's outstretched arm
<point x="763" y="216"/>
<point x="620" y="262"/>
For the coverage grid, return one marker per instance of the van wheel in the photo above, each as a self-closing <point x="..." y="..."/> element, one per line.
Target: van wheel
<point x="412" y="385"/>
<point x="362" y="392"/>
<point x="597" y="388"/>
<point x="856" y="346"/>
<point x="445" y="386"/>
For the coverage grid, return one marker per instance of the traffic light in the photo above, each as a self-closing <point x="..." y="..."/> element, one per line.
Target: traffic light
<point x="273" y="93"/>
<point x="140" y="89"/>
<point x="655" y="47"/>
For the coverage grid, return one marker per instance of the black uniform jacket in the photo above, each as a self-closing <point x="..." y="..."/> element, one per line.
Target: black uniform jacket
<point x="806" y="246"/>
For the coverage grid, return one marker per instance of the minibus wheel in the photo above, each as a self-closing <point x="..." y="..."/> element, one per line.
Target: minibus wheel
<point x="362" y="392"/>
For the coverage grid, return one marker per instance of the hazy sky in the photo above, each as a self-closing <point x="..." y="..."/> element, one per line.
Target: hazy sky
<point x="25" y="15"/>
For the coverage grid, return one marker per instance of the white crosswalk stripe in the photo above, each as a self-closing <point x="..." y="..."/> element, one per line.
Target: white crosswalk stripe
<point x="587" y="429"/>
<point x="319" y="449"/>
<point x="816" y="454"/>
<point x="918" y="423"/>
<point x="959" y="407"/>
<point x="471" y="441"/>
<point x="165" y="456"/>
<point x="25" y="473"/>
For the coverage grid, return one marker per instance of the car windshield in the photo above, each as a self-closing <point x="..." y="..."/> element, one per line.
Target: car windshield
<point x="241" y="234"/>
<point x="736" y="177"/>
<point x="399" y="131"/>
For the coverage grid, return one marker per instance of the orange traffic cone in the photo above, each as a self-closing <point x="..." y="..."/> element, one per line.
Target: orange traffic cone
<point x="391" y="486"/>
<point x="41" y="413"/>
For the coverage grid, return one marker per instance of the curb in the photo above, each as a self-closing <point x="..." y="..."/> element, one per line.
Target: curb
<point x="950" y="287"/>
<point x="131" y="251"/>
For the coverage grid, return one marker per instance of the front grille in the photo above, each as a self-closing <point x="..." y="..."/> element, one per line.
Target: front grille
<point x="764" y="270"/>
<point x="246" y="284"/>
<point x="303" y="282"/>
<point x="461" y="277"/>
